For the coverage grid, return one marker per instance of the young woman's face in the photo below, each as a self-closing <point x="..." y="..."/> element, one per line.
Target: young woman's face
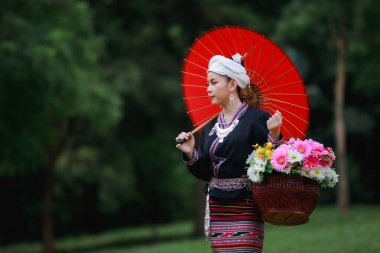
<point x="218" y="88"/>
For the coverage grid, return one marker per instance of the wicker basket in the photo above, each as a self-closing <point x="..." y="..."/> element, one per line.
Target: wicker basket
<point x="286" y="200"/>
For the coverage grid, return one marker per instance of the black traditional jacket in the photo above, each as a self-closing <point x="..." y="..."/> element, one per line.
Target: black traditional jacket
<point x="227" y="158"/>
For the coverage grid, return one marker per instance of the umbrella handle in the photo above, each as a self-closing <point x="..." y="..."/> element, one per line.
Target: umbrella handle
<point x="181" y="141"/>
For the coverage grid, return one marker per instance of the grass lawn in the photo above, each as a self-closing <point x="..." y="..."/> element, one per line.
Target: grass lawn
<point x="327" y="231"/>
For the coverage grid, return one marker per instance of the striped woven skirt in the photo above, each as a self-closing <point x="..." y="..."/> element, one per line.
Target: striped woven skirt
<point x="236" y="227"/>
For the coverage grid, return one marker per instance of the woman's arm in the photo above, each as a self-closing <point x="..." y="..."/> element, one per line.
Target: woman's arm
<point x="195" y="159"/>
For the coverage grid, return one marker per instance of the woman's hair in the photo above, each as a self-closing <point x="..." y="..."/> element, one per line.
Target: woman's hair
<point x="250" y="94"/>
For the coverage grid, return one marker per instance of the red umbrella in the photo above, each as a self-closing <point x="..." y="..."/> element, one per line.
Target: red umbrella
<point x="275" y="81"/>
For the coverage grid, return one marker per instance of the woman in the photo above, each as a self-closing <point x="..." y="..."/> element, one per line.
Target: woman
<point x="232" y="222"/>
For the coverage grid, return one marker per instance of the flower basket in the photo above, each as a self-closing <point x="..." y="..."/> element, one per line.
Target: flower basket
<point x="286" y="199"/>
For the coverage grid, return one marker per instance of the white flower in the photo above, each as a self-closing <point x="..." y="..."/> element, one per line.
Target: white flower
<point x="304" y="172"/>
<point x="258" y="168"/>
<point x="325" y="171"/>
<point x="253" y="174"/>
<point x="331" y="177"/>
<point x="294" y="156"/>
<point x="250" y="158"/>
<point x="260" y="164"/>
<point x="334" y="177"/>
<point x="318" y="173"/>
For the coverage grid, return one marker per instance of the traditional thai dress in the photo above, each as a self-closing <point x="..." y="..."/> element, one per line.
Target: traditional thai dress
<point x="235" y="223"/>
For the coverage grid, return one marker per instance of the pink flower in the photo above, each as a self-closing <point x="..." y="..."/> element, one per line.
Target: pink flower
<point x="319" y="152"/>
<point x="316" y="148"/>
<point x="302" y="147"/>
<point x="279" y="159"/>
<point x="310" y="162"/>
<point x="290" y="141"/>
<point x="331" y="154"/>
<point x="322" y="163"/>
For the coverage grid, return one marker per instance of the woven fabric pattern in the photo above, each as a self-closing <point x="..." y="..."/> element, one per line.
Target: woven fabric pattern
<point x="236" y="227"/>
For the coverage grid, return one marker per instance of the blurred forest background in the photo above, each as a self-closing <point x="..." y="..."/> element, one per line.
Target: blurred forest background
<point x="90" y="104"/>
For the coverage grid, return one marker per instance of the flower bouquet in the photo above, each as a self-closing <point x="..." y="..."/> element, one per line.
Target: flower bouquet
<point x="287" y="179"/>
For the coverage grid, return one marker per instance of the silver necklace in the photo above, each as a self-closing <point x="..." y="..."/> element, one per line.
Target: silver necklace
<point x="223" y="132"/>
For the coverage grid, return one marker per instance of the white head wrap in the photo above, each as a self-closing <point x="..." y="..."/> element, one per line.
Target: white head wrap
<point x="231" y="68"/>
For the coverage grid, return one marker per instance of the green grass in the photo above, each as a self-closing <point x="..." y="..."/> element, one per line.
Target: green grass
<point x="128" y="236"/>
<point x="327" y="231"/>
<point x="184" y="246"/>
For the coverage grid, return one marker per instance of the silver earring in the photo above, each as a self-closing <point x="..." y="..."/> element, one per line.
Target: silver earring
<point x="232" y="99"/>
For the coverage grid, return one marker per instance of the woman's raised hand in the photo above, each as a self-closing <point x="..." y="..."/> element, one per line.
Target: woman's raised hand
<point x="187" y="146"/>
<point x="274" y="125"/>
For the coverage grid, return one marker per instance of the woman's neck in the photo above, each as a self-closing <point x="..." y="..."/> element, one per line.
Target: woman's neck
<point x="230" y="109"/>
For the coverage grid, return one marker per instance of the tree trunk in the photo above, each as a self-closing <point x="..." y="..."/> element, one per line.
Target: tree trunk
<point x="47" y="218"/>
<point x="340" y="131"/>
<point x="200" y="205"/>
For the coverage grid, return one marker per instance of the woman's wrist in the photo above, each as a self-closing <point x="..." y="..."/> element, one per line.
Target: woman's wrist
<point x="190" y="154"/>
<point x="275" y="136"/>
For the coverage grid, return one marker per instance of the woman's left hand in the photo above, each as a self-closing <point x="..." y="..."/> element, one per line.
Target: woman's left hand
<point x="274" y="125"/>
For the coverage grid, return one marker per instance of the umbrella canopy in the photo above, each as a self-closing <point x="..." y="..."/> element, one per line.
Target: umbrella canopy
<point x="275" y="81"/>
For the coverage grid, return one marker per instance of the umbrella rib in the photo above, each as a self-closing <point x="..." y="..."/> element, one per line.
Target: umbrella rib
<point x="196" y="64"/>
<point x="201" y="108"/>
<point x="253" y="50"/>
<point x="198" y="54"/>
<point x="294" y="126"/>
<point x="193" y="74"/>
<point x="295" y="115"/>
<point x="282" y="126"/>
<point x="195" y="97"/>
<point x="280" y="101"/>
<point x="205" y="120"/>
<point x="278" y="64"/>
<point x="278" y="77"/>
<point x="251" y="71"/>
<point x="214" y="44"/>
<point x="287" y="130"/>
<point x="204" y="45"/>
<point x="286" y="94"/>
<point x="279" y="86"/>
<point x="261" y="50"/>
<point x="266" y="64"/>
<point x="217" y="31"/>
<point x="233" y="41"/>
<point x="241" y="39"/>
<point x="195" y="86"/>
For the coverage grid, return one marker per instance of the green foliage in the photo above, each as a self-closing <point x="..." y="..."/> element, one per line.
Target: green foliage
<point x="49" y="76"/>
<point x="113" y="177"/>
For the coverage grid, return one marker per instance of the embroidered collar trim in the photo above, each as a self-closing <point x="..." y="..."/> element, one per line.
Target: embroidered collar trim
<point x="220" y="126"/>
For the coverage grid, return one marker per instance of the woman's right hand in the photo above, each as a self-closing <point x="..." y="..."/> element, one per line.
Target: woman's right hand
<point x="187" y="146"/>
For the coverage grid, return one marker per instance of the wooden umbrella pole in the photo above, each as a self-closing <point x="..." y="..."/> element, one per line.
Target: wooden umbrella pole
<point x="180" y="141"/>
